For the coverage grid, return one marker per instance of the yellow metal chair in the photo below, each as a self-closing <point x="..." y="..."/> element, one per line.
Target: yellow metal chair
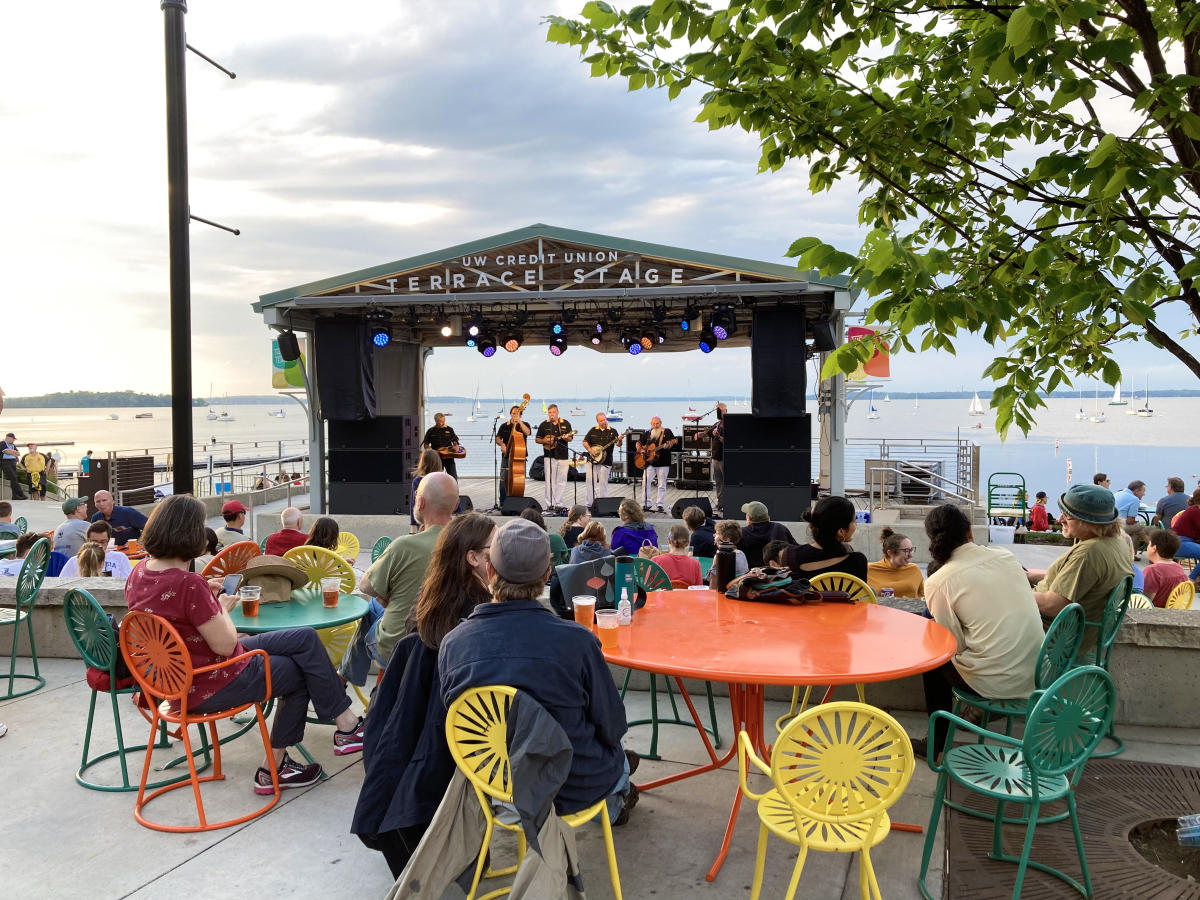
<point x="476" y="730"/>
<point x="318" y="563"/>
<point x="1140" y="601"/>
<point x="860" y="592"/>
<point x="347" y="546"/>
<point x="336" y="640"/>
<point x="1181" y="596"/>
<point x="837" y="768"/>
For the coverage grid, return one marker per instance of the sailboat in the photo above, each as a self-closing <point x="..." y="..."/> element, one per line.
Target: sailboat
<point x="916" y="405"/>
<point x="212" y="415"/>
<point x="277" y="413"/>
<point x="474" y="404"/>
<point x="874" y="413"/>
<point x="225" y="416"/>
<point x="1081" y="415"/>
<point x="976" y="407"/>
<point x="1116" y="397"/>
<point x="1145" y="410"/>
<point x="887" y="398"/>
<point x="1098" y="416"/>
<point x="613" y="415"/>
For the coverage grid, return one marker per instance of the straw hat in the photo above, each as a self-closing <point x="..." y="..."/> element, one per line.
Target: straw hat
<point x="276" y="576"/>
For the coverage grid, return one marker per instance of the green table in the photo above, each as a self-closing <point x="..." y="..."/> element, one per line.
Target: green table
<point x="304" y="611"/>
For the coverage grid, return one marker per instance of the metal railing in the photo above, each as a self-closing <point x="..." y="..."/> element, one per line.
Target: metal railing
<point x="952" y="462"/>
<point x="901" y="473"/>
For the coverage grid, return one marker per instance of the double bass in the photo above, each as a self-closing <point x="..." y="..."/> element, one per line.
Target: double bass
<point x="514" y="476"/>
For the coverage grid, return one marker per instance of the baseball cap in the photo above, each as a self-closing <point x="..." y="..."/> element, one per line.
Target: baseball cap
<point x="756" y="511"/>
<point x="233" y="506"/>
<point x="520" y="552"/>
<point x="73" y="503"/>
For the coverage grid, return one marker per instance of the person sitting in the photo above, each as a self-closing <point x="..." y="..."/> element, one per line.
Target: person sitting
<point x="90" y="560"/>
<point x="1129" y="503"/>
<point x="1163" y="574"/>
<point x="515" y="641"/>
<point x="577" y="518"/>
<point x="1186" y="524"/>
<point x="704" y="532"/>
<point x="300" y="670"/>
<point x="324" y="533"/>
<point x="1172" y="504"/>
<point x="896" y="571"/>
<point x="406" y="763"/>
<point x="559" y="554"/>
<point x="773" y="553"/>
<point x="1088" y="572"/>
<point x="290" y="535"/>
<point x="831" y="525"/>
<point x="1039" y="517"/>
<point x="759" y="529"/>
<point x="428" y="462"/>
<point x="127" y="523"/>
<point x="233" y="531"/>
<point x="676" y="562"/>
<point x="10" y="568"/>
<point x="982" y="596"/>
<point x="211" y="549"/>
<point x="632" y="533"/>
<point x="1139" y="580"/>
<point x="116" y="563"/>
<point x="730" y="532"/>
<point x="72" y="533"/>
<point x="8" y="531"/>
<point x="593" y="544"/>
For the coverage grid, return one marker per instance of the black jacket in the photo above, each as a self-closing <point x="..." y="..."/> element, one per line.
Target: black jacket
<point x="757" y="535"/>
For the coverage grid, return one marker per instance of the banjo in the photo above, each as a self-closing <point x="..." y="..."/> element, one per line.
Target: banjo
<point x="596" y="454"/>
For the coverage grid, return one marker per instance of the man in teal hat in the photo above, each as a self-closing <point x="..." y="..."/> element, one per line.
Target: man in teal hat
<point x="1087" y="573"/>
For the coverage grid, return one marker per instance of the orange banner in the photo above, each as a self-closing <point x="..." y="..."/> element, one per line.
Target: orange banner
<point x="878" y="366"/>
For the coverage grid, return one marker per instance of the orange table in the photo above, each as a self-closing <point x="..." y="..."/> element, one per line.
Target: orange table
<point x="704" y="635"/>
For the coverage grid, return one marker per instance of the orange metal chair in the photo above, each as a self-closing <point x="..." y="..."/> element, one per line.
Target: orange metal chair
<point x="231" y="559"/>
<point x="159" y="662"/>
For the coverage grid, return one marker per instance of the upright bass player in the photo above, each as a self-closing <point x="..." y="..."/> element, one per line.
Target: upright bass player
<point x="504" y="437"/>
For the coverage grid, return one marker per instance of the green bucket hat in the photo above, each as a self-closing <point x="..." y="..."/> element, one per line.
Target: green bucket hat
<point x="1089" y="503"/>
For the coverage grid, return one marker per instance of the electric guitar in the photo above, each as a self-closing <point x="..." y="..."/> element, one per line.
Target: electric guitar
<point x="647" y="453"/>
<point x="596" y="454"/>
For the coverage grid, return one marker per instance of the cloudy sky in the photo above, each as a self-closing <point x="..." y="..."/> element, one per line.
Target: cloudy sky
<point x="354" y="134"/>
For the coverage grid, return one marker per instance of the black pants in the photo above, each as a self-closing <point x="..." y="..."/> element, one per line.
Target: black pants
<point x="9" y="468"/>
<point x="396" y="846"/>
<point x="939" y="694"/>
<point x="449" y="467"/>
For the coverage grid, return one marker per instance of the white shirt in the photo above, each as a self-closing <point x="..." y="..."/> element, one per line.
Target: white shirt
<point x="117" y="563"/>
<point x="11" y="568"/>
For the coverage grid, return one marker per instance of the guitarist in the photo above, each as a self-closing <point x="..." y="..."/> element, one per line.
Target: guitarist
<point x="553" y="435"/>
<point x="656" y="448"/>
<point x="602" y="436"/>
<point x="504" y="438"/>
<point x="441" y="437"/>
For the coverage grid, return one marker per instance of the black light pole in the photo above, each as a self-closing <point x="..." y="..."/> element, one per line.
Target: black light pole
<point x="177" y="218"/>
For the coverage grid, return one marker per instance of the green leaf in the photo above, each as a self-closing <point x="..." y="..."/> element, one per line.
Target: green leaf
<point x="1103" y="151"/>
<point x="1018" y="35"/>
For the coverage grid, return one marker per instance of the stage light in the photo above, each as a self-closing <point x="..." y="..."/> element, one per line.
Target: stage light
<point x="634" y="348"/>
<point x="660" y="336"/>
<point x="381" y="335"/>
<point x="600" y="327"/>
<point x="615" y="313"/>
<point x="447" y="329"/>
<point x="557" y="327"/>
<point x="724" y="323"/>
<point x="474" y="326"/>
<point x="690" y="314"/>
<point x="596" y="338"/>
<point x="647" y="340"/>
<point x="512" y="341"/>
<point x="708" y="341"/>
<point x="486" y="346"/>
<point x="521" y="316"/>
<point x="660" y="313"/>
<point x="568" y="314"/>
<point x="410" y="317"/>
<point x="470" y="340"/>
<point x="558" y="346"/>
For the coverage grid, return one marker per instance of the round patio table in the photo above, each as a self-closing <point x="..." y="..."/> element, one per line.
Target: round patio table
<point x="304" y="610"/>
<point x="705" y="635"/>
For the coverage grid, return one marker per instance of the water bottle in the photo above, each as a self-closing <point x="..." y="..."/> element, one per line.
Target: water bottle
<point x="724" y="564"/>
<point x="625" y="607"/>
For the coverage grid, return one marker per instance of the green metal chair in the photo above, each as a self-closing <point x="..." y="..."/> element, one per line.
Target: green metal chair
<point x="1063" y="725"/>
<point x="380" y="546"/>
<point x="29" y="581"/>
<point x="262" y="545"/>
<point x="1110" y="623"/>
<point x="649" y="576"/>
<point x="94" y="638"/>
<point x="705" y="564"/>
<point x="22" y="524"/>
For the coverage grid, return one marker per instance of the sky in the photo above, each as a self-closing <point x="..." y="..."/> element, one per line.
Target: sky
<point x="355" y="134"/>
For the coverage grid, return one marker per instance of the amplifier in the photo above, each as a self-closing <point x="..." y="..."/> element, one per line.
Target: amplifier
<point x="696" y="468"/>
<point x="695" y="437"/>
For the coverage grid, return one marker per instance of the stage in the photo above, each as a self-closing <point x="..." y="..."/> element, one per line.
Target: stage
<point x="482" y="492"/>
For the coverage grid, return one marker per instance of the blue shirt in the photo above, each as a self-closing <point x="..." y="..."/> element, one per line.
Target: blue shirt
<point x="1127" y="504"/>
<point x="522" y="644"/>
<point x="126" y="523"/>
<point x="85" y="465"/>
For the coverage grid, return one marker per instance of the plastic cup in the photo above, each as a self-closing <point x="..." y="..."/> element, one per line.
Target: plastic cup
<point x="608" y="627"/>
<point x="330" y="591"/>
<point x="249" y="595"/>
<point x="887" y="592"/>
<point x="585" y="608"/>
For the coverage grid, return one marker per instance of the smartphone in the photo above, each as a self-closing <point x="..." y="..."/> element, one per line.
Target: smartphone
<point x="232" y="582"/>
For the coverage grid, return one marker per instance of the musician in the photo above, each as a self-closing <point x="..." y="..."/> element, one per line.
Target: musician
<point x="716" y="437"/>
<point x="658" y="466"/>
<point x="554" y="435"/>
<point x="602" y="436"/>
<point x="441" y="437"/>
<point x="504" y="438"/>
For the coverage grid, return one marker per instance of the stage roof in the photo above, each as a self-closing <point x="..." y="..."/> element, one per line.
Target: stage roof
<point x="529" y="278"/>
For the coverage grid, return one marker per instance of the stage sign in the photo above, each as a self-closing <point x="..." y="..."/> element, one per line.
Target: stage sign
<point x="286" y="375"/>
<point x="878" y="366"/>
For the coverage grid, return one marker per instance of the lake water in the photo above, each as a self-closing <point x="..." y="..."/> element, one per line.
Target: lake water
<point x="1126" y="447"/>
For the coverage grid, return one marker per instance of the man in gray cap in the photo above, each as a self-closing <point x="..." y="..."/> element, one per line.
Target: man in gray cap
<point x="759" y="531"/>
<point x="516" y="641"/>
<point x="72" y="533"/>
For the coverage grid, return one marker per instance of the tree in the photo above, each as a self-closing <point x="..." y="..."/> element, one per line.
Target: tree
<point x="1028" y="172"/>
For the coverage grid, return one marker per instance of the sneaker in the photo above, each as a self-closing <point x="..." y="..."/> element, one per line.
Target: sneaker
<point x="3" y="729"/>
<point x="628" y="804"/>
<point x="291" y="775"/>
<point x="635" y="760"/>
<point x="660" y="509"/>
<point x="345" y="742"/>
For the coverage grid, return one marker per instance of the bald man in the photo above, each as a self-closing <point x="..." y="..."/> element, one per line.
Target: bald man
<point x="394" y="580"/>
<point x="125" y="521"/>
<point x="290" y="535"/>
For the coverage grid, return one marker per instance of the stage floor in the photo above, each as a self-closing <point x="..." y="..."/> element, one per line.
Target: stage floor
<point x="482" y="492"/>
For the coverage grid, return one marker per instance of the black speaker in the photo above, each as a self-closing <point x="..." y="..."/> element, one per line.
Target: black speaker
<point x="369" y="498"/>
<point x="777" y="371"/>
<point x="684" y="502"/>
<point x="824" y="337"/>
<point x="514" y="506"/>
<point x="289" y="347"/>
<point x="380" y="433"/>
<point x="345" y="368"/>
<point x="743" y="432"/>
<point x="372" y="465"/>
<point x="606" y="507"/>
<point x="785" y="504"/>
<point x="465" y="504"/>
<point x="631" y="441"/>
<point x="785" y="468"/>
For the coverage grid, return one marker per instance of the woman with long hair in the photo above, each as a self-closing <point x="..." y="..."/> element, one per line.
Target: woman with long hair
<point x="628" y="537"/>
<point x="578" y="517"/>
<point x="982" y="595"/>
<point x="91" y="560"/>
<point x="592" y="544"/>
<point x="428" y="461"/>
<point x="324" y="533"/>
<point x="896" y="570"/>
<point x="300" y="668"/>
<point x="407" y="765"/>
<point x="831" y="526"/>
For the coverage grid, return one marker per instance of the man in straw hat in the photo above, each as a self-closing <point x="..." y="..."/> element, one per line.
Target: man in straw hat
<point x="1087" y="573"/>
<point x="516" y="641"/>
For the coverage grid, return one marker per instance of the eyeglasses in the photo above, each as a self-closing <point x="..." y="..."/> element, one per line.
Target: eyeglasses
<point x="907" y="551"/>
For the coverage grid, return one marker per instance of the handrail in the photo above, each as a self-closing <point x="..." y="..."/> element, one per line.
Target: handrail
<point x="957" y="484"/>
<point x="898" y="471"/>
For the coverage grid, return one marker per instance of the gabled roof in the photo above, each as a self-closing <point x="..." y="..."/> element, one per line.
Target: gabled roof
<point x="766" y="270"/>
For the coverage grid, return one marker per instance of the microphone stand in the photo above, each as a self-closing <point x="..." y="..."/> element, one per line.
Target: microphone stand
<point x="495" y="466"/>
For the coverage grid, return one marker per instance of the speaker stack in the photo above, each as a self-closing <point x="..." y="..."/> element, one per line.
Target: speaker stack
<point x="768" y="459"/>
<point x="371" y="462"/>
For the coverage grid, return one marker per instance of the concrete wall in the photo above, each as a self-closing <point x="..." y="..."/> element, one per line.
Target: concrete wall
<point x="1154" y="661"/>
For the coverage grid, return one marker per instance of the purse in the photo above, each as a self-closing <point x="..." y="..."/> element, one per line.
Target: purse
<point x="648" y="550"/>
<point x="774" y="584"/>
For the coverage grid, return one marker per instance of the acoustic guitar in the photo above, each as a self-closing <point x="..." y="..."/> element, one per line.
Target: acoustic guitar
<point x="646" y="454"/>
<point x="517" y="452"/>
<point x="457" y="451"/>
